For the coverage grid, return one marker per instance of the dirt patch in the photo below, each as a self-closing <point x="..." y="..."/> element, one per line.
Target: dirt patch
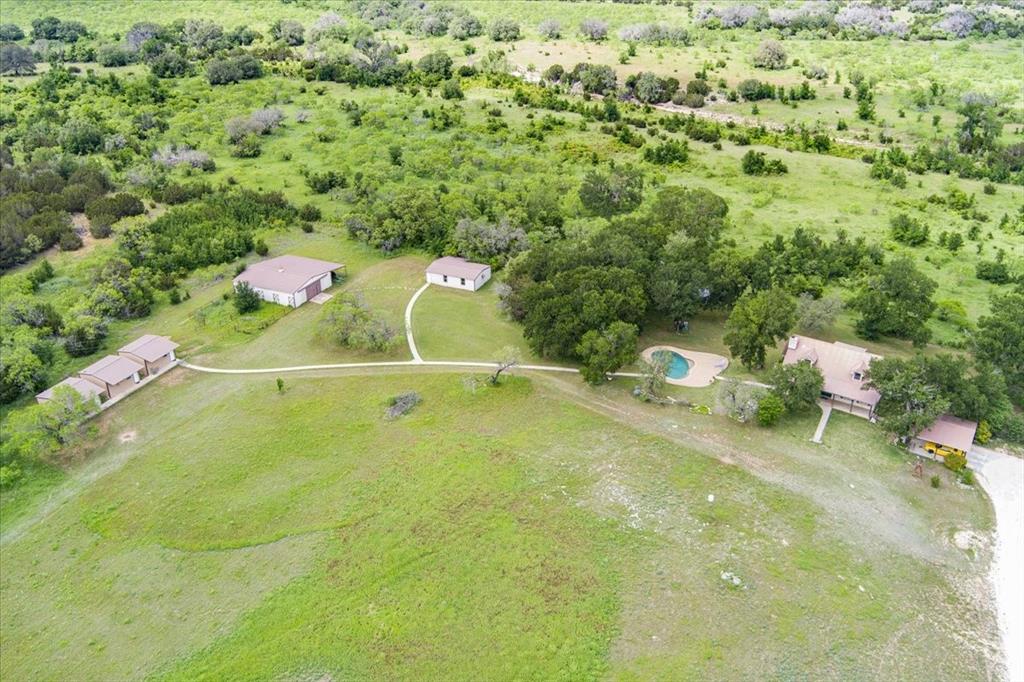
<point x="127" y="436"/>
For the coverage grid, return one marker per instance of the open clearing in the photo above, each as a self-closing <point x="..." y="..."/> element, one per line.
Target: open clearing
<point x="551" y="541"/>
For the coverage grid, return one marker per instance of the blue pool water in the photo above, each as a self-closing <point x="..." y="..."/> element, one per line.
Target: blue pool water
<point x="678" y="366"/>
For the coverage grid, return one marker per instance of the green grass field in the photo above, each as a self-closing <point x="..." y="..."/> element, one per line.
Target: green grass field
<point x="211" y="527"/>
<point x="501" y="533"/>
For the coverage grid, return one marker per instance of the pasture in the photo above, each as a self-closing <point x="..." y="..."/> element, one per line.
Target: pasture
<point x="546" y="539"/>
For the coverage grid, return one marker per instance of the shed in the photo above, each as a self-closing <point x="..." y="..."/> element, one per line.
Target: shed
<point x="289" y="280"/>
<point x="156" y="353"/>
<point x="947" y="434"/>
<point x="114" y="374"/>
<point x="458" y="273"/>
<point x="85" y="388"/>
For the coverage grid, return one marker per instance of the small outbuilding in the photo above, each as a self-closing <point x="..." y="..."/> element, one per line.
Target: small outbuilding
<point x="947" y="435"/>
<point x="115" y="375"/>
<point x="289" y="280"/>
<point x="156" y="353"/>
<point x="87" y="389"/>
<point x="458" y="273"/>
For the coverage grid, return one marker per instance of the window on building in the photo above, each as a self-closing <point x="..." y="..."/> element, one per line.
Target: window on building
<point x="463" y="280"/>
<point x="444" y="278"/>
<point x="857" y="375"/>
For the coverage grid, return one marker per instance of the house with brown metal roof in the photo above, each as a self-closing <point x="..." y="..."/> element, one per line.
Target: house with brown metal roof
<point x="85" y="388"/>
<point x="289" y="280"/>
<point x="156" y="353"/>
<point x="458" y="273"/>
<point x="844" y="368"/>
<point x="946" y="435"/>
<point x="115" y="375"/>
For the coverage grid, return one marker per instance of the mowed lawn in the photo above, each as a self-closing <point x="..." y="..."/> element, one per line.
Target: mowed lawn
<point x="221" y="530"/>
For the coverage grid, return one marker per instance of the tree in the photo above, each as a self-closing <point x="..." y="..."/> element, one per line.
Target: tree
<point x="61" y="417"/>
<point x="649" y="89"/>
<point x="349" y="322"/>
<point x="698" y="212"/>
<point x="757" y="321"/>
<point x="508" y="357"/>
<point x="909" y="403"/>
<point x="559" y="311"/>
<point x="288" y="31"/>
<point x="21" y="369"/>
<point x="465" y="26"/>
<point x="504" y="31"/>
<point x="17" y="60"/>
<point x="896" y="301"/>
<point x="652" y="378"/>
<point x="437" y="65"/>
<point x="739" y="400"/>
<point x="770" y="55"/>
<point x="1000" y="340"/>
<point x="770" y="409"/>
<point x="618" y="191"/>
<point x="247" y="299"/>
<point x="798" y="385"/>
<point x="83" y="333"/>
<point x="980" y="128"/>
<point x="817" y="314"/>
<point x="605" y="351"/>
<point x="495" y="243"/>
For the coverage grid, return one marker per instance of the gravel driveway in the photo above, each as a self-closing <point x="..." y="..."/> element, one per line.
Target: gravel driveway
<point x="1002" y="476"/>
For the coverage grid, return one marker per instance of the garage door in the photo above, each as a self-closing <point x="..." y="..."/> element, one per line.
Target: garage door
<point x="312" y="290"/>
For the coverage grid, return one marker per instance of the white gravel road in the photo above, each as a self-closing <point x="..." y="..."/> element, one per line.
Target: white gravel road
<point x="1002" y="476"/>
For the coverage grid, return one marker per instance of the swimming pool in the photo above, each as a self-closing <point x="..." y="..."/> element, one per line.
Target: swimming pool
<point x="678" y="366"/>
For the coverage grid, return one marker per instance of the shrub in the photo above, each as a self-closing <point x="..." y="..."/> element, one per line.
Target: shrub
<point x="769" y="410"/>
<point x="594" y="29"/>
<point x="402" y="404"/>
<point x="247" y="300"/>
<point x="550" y="29"/>
<point x="321" y="183"/>
<point x="233" y="69"/>
<point x="936" y="481"/>
<point x="83" y="334"/>
<point x="693" y="100"/>
<point x="113" y="208"/>
<point x="465" y="26"/>
<point x="10" y="33"/>
<point x="261" y="247"/>
<point x="504" y="31"/>
<point x="451" y="89"/>
<point x="668" y="153"/>
<point x="907" y="230"/>
<point x="770" y="55"/>
<point x="984" y="433"/>
<point x="309" y="212"/>
<point x="757" y="163"/>
<point x="955" y="461"/>
<point x="992" y="271"/>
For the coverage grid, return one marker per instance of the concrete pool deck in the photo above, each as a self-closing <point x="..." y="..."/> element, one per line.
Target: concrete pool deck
<point x="704" y="367"/>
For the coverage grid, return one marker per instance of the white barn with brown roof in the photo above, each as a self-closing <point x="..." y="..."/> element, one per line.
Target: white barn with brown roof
<point x="288" y="280"/>
<point x="156" y="353"/>
<point x="115" y="375"/>
<point x="844" y="368"/>
<point x="458" y="273"/>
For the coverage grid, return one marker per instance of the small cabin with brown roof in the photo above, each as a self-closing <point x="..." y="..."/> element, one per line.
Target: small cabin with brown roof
<point x="458" y="273"/>
<point x="289" y="280"/>
<point x="85" y="388"/>
<point x="115" y="375"/>
<point x="155" y="353"/>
